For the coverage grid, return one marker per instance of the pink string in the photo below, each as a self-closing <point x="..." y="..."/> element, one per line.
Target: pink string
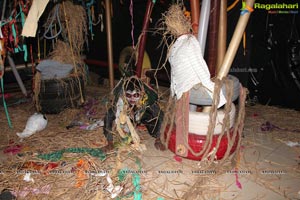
<point x="132" y="25"/>
<point x="237" y="182"/>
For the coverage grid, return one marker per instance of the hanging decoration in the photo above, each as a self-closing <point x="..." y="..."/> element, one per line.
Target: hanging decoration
<point x="13" y="42"/>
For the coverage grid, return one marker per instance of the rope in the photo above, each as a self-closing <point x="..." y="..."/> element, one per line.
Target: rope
<point x="72" y="52"/>
<point x="37" y="89"/>
<point x="232" y="5"/>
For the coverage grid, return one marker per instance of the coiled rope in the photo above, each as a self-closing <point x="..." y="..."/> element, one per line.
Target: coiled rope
<point x="53" y="19"/>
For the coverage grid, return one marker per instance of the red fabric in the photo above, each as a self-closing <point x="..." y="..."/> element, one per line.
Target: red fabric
<point x="196" y="143"/>
<point x="182" y="124"/>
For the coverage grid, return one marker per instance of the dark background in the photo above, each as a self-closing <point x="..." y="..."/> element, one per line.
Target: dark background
<point x="270" y="69"/>
<point x="264" y="69"/>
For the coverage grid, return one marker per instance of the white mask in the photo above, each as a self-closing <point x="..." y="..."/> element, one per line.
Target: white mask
<point x="133" y="96"/>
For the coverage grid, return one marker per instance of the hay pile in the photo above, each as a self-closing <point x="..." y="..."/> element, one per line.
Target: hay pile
<point x="70" y="44"/>
<point x="70" y="173"/>
<point x="63" y="54"/>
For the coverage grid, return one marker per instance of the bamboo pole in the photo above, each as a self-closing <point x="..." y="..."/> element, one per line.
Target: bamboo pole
<point x="235" y="41"/>
<point x="233" y="46"/>
<point x="3" y="10"/>
<point x="109" y="43"/>
<point x="222" y="34"/>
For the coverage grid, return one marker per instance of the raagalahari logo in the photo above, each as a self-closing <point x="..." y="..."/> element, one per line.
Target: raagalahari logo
<point x="278" y="8"/>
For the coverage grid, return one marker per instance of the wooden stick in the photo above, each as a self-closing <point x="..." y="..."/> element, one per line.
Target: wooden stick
<point x="195" y="11"/>
<point x="109" y="43"/>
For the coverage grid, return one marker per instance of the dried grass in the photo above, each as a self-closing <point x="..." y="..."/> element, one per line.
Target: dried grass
<point x="173" y="24"/>
<point x="176" y="22"/>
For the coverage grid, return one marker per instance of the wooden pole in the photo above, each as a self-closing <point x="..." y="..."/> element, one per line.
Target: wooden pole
<point x="109" y="43"/>
<point x="195" y="12"/>
<point x="222" y="34"/>
<point x="212" y="51"/>
<point x="235" y="41"/>
<point x="142" y="43"/>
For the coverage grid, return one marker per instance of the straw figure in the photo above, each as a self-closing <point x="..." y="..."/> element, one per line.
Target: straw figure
<point x="134" y="103"/>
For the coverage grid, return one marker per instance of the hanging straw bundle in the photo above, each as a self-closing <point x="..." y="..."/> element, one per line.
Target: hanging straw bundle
<point x="73" y="26"/>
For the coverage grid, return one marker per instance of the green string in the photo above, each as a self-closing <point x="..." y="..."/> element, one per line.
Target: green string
<point x="137" y="184"/>
<point x="22" y="16"/>
<point x="4" y="104"/>
<point x="14" y="33"/>
<point x="136" y="180"/>
<point x="18" y="49"/>
<point x="57" y="155"/>
<point x="25" y="52"/>
<point x="138" y="162"/>
<point x="122" y="174"/>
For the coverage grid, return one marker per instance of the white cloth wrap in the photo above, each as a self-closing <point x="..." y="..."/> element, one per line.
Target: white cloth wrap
<point x="31" y="23"/>
<point x="188" y="68"/>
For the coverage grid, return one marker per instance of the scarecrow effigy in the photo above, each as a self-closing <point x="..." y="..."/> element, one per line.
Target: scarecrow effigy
<point x="134" y="103"/>
<point x="212" y="135"/>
